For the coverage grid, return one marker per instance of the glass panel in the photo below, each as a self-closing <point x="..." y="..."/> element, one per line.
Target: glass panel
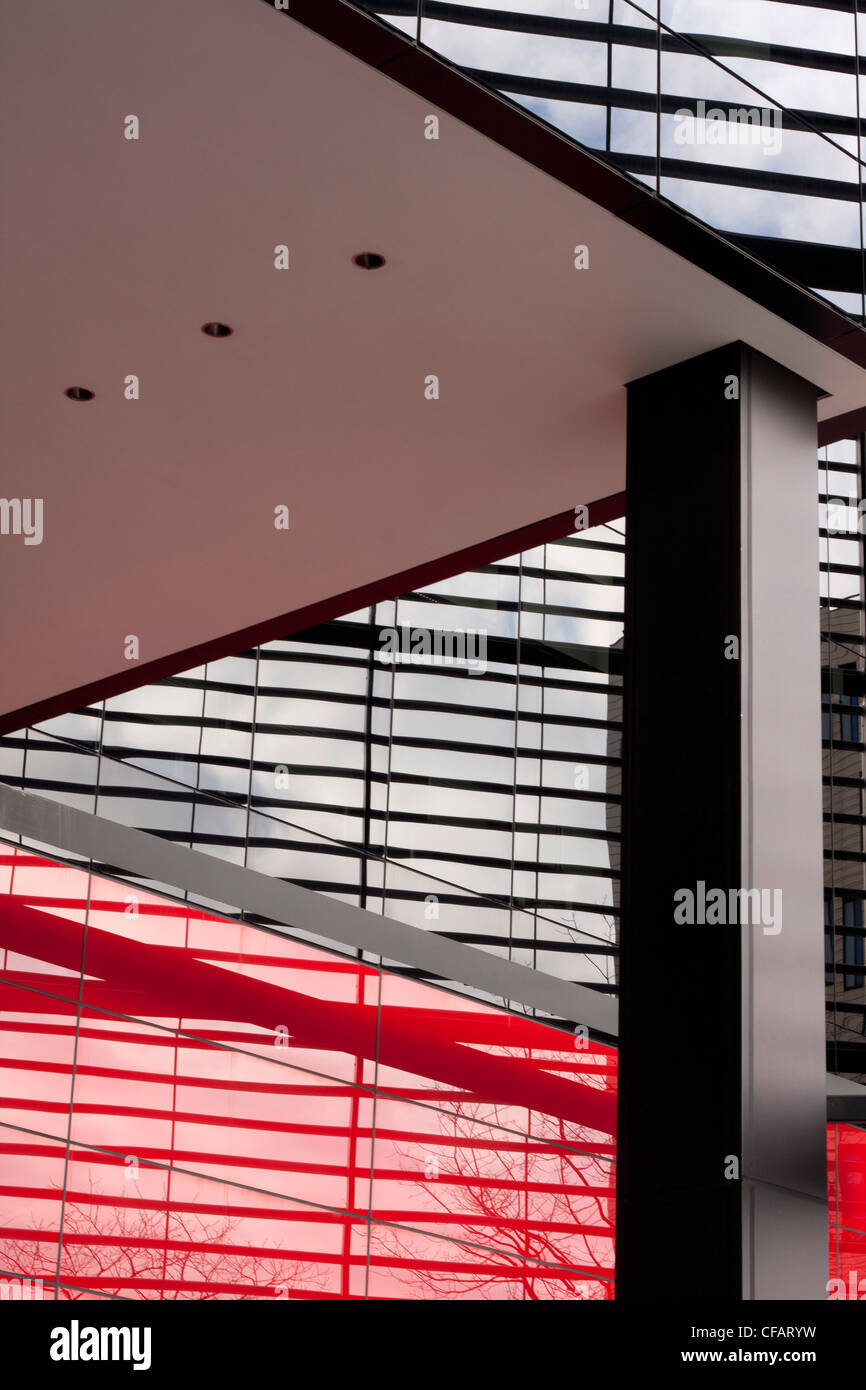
<point x="846" y="1154"/>
<point x="467" y="734"/>
<point x="43" y="929"/>
<point x="231" y="1155"/>
<point x="745" y="115"/>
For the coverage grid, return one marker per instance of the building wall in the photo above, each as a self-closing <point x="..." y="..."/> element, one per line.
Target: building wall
<point x="746" y="116"/>
<point x="468" y="799"/>
<point x="842" y="652"/>
<point x="196" y="1108"/>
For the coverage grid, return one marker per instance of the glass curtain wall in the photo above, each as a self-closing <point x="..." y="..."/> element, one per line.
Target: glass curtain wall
<point x="478" y="795"/>
<point x="745" y="113"/>
<point x="194" y="1108"/>
<point x="843" y="522"/>
<point x="450" y="757"/>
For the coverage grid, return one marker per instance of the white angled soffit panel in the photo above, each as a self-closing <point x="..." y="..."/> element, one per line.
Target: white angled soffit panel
<point x="256" y="133"/>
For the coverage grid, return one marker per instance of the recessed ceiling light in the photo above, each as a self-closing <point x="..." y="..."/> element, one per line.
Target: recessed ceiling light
<point x="368" y="260"/>
<point x="79" y="393"/>
<point x="217" y="330"/>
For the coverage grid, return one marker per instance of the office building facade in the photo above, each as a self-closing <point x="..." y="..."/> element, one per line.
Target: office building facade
<point x="356" y="931"/>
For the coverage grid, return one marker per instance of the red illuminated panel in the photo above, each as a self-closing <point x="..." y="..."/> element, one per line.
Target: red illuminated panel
<point x="256" y="1119"/>
<point x="229" y="982"/>
<point x="226" y="1114"/>
<point x="519" y="1073"/>
<point x="169" y="1234"/>
<point x="446" y="1174"/>
<point x="409" y="1264"/>
<point x="253" y="1118"/>
<point x="517" y="1160"/>
<point x="31" y="1187"/>
<point x="60" y="895"/>
<point x="847" y="1186"/>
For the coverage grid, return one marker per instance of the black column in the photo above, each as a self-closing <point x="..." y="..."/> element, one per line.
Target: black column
<point x="701" y="448"/>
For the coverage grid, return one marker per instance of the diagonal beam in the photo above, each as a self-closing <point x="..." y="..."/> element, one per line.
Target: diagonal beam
<point x="93" y="837"/>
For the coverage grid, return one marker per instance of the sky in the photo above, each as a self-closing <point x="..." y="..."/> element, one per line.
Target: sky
<point x="738" y="210"/>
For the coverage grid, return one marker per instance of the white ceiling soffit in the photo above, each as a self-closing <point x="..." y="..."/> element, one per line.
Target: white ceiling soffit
<point x="158" y="513"/>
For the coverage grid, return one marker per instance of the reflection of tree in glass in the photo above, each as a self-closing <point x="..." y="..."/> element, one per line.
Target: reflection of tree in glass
<point x="606" y="964"/>
<point x="604" y="960"/>
<point x="518" y="1196"/>
<point x="124" y="1250"/>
